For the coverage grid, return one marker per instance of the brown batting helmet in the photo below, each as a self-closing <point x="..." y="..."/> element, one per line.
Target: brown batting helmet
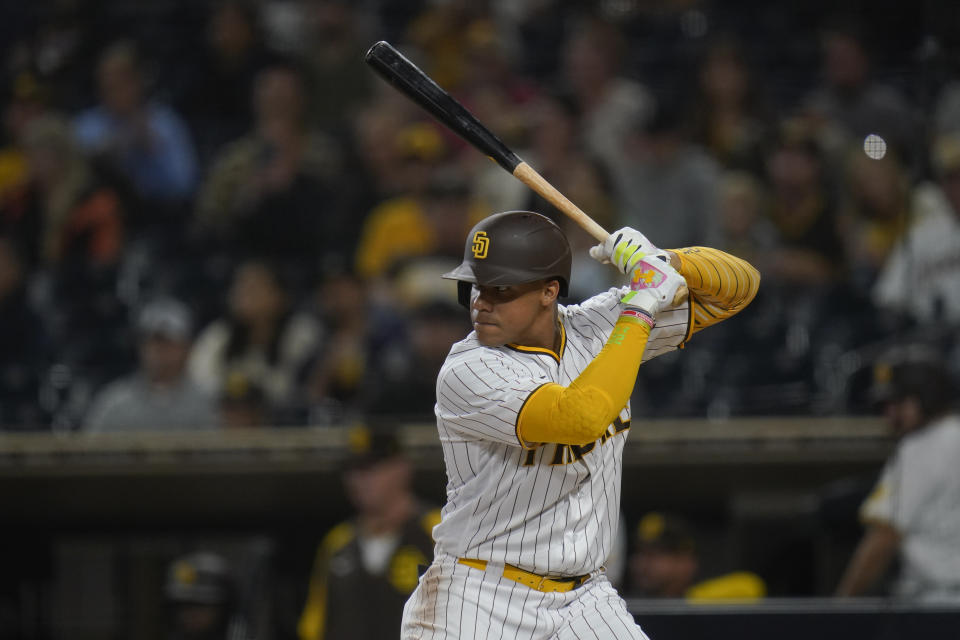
<point x="513" y="247"/>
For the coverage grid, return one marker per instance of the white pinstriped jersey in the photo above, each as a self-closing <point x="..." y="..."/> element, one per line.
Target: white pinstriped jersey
<point x="551" y="510"/>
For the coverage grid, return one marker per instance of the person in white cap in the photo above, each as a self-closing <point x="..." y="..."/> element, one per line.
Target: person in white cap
<point x="158" y="395"/>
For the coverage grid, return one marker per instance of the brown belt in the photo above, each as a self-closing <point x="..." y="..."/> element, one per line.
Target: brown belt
<point x="532" y="580"/>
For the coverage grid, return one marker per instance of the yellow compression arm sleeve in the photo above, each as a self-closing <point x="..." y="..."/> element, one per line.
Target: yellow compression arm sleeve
<point x="721" y="284"/>
<point x="581" y="412"/>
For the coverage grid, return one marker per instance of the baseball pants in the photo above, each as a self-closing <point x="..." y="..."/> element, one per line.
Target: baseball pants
<point x="456" y="601"/>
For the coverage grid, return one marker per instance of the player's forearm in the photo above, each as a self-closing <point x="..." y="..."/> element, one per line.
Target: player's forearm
<point x="870" y="560"/>
<point x="581" y="412"/>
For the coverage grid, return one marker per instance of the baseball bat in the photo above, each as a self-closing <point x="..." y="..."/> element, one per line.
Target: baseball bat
<point x="410" y="80"/>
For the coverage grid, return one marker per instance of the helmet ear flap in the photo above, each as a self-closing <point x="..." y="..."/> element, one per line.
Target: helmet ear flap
<point x="463" y="293"/>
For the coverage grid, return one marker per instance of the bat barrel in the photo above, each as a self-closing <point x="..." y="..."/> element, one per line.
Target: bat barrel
<point x="396" y="69"/>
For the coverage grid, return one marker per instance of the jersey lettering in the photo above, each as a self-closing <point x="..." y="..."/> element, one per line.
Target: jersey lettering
<point x="570" y="453"/>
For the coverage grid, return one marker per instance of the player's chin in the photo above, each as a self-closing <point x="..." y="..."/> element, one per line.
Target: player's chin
<point x="489" y="335"/>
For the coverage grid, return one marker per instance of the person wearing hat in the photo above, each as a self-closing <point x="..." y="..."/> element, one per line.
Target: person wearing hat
<point x="201" y="593"/>
<point x="914" y="509"/>
<point x="666" y="564"/>
<point x="159" y="395"/>
<point x="366" y="567"/>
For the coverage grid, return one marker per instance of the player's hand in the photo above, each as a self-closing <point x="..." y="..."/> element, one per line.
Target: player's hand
<point x="625" y="248"/>
<point x="653" y="286"/>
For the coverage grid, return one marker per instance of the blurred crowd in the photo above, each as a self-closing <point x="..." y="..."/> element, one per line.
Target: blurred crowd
<point x="213" y="214"/>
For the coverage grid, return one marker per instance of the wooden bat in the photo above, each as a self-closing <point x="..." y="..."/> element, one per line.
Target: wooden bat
<point x="410" y="80"/>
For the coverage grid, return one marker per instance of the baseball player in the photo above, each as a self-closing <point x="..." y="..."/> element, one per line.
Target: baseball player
<point x="914" y="510"/>
<point x="533" y="413"/>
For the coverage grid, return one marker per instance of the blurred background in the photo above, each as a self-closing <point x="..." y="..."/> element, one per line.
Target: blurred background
<point x="220" y="244"/>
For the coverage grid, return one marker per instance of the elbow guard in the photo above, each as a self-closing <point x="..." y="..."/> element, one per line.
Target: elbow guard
<point x="568" y="415"/>
<point x="580" y="413"/>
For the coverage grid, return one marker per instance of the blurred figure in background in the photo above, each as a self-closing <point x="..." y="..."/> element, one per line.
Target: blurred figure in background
<point x="666" y="564"/>
<point x="744" y="227"/>
<point x="729" y="118"/>
<point x="803" y="210"/>
<point x="159" y="395"/>
<point x="403" y="382"/>
<point x="271" y="192"/>
<point x="68" y="223"/>
<point x="557" y="151"/>
<point x="665" y="184"/>
<point x="217" y="83"/>
<point x="428" y="221"/>
<point x="358" y="331"/>
<point x="262" y="336"/>
<point x="920" y="279"/>
<point x="202" y="595"/>
<point x="849" y="103"/>
<point x="914" y="510"/>
<point x="68" y="213"/>
<point x="23" y="345"/>
<point x="144" y="139"/>
<point x="335" y="38"/>
<point x="366" y="568"/>
<point x="242" y="403"/>
<point x="23" y="100"/>
<point x="610" y="104"/>
<point x="875" y="213"/>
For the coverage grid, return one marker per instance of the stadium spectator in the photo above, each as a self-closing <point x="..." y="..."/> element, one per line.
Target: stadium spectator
<point x="913" y="512"/>
<point x="262" y="336"/>
<point x="874" y="214"/>
<point x="610" y="104"/>
<point x="27" y="99"/>
<point x="745" y="229"/>
<point x="429" y="220"/>
<point x="335" y="34"/>
<point x="403" y="382"/>
<point x="242" y="403"/>
<point x="803" y="209"/>
<point x="357" y="331"/>
<point x="202" y="597"/>
<point x="666" y="564"/>
<point x="920" y="279"/>
<point x="215" y="84"/>
<point x="68" y="222"/>
<point x="159" y="395"/>
<point x="369" y="563"/>
<point x="665" y="184"/>
<point x="67" y="212"/>
<point x="729" y="116"/>
<point x="144" y="139"/>
<point x="23" y="346"/>
<point x="271" y="192"/>
<point x="851" y="102"/>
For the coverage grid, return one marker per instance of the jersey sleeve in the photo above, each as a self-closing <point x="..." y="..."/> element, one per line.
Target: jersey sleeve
<point x="480" y="395"/>
<point x="721" y="285"/>
<point x="878" y="507"/>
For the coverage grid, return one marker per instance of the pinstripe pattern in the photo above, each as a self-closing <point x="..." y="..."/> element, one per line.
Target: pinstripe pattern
<point x="481" y="605"/>
<point x="552" y="510"/>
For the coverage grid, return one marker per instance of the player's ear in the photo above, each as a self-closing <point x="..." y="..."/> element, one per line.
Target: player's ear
<point x="550" y="291"/>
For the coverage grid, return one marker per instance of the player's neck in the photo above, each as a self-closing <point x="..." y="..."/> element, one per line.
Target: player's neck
<point x="544" y="332"/>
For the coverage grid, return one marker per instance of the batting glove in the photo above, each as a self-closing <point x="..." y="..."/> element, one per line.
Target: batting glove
<point x="652" y="287"/>
<point x="625" y="248"/>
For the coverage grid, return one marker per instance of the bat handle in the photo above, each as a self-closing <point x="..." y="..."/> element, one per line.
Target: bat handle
<point x="527" y="175"/>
